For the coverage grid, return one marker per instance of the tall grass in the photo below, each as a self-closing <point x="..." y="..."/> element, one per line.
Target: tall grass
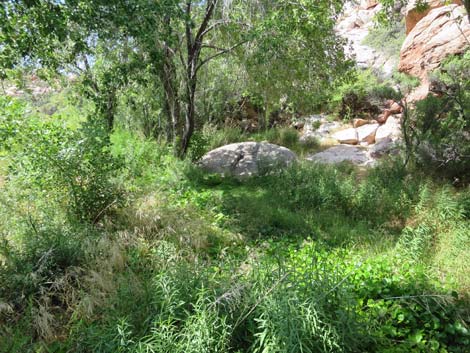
<point x="314" y="259"/>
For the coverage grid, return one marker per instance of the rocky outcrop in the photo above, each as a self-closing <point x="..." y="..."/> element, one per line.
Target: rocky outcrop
<point x="413" y="14"/>
<point x="342" y="153"/>
<point x="246" y="159"/>
<point x="443" y="31"/>
<point x="354" y="25"/>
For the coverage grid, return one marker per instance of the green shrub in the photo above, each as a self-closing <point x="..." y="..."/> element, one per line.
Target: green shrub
<point x="289" y="137"/>
<point x="387" y="39"/>
<point x="361" y="96"/>
<point x="221" y="137"/>
<point x="438" y="130"/>
<point x="73" y="166"/>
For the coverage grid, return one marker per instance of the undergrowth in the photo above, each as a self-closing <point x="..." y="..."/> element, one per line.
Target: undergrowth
<point x="312" y="259"/>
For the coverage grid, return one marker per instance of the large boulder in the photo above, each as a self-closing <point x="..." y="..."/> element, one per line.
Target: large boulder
<point x="245" y="159"/>
<point x="413" y="14"/>
<point x="442" y="32"/>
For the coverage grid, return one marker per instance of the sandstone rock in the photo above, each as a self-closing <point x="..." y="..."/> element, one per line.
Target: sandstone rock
<point x="391" y="129"/>
<point x="317" y="127"/>
<point x="320" y="133"/>
<point x="382" y="118"/>
<point x="418" y="93"/>
<point x="360" y="122"/>
<point x="342" y="153"/>
<point x="348" y="136"/>
<point x="413" y="16"/>
<point x="369" y="4"/>
<point x="245" y="159"/>
<point x="442" y="32"/>
<point x="366" y="133"/>
<point x="395" y="108"/>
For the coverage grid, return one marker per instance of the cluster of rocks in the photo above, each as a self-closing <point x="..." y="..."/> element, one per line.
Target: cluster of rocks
<point x="367" y="132"/>
<point x="361" y="144"/>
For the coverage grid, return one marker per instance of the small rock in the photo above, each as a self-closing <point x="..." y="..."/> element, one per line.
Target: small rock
<point x="360" y="122"/>
<point x="298" y="125"/>
<point x="382" y="118"/>
<point x="395" y="108"/>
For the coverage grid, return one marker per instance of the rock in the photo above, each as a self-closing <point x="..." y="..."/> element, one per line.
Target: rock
<point x="369" y="4"/>
<point x="391" y="129"/>
<point x="418" y="93"/>
<point x="354" y="25"/>
<point x="382" y="118"/>
<point x="385" y="146"/>
<point x="366" y="133"/>
<point x="413" y="15"/>
<point x="442" y="32"/>
<point x="360" y="122"/>
<point x="327" y="128"/>
<point x="395" y="108"/>
<point x="342" y="153"/>
<point x="245" y="159"/>
<point x="348" y="136"/>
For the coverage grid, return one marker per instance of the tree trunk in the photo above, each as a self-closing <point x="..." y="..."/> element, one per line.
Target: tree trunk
<point x="190" y="117"/>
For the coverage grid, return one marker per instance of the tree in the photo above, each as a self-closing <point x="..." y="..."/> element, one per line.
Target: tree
<point x="113" y="43"/>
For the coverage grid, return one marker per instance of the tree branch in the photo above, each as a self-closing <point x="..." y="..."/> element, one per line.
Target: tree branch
<point x="205" y="22"/>
<point x="219" y="53"/>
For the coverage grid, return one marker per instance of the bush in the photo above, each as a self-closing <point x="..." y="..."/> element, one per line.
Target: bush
<point x="387" y="39"/>
<point x="438" y="130"/>
<point x="361" y="97"/>
<point x="73" y="166"/>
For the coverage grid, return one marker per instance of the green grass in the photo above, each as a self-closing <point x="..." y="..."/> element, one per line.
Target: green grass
<point x="286" y="137"/>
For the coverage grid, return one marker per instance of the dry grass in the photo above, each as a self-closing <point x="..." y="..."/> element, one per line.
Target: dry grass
<point x="154" y="218"/>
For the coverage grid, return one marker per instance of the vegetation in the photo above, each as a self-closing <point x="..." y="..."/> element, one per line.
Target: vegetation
<point x="387" y="39"/>
<point x="111" y="242"/>
<point x="166" y="46"/>
<point x="438" y="130"/>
